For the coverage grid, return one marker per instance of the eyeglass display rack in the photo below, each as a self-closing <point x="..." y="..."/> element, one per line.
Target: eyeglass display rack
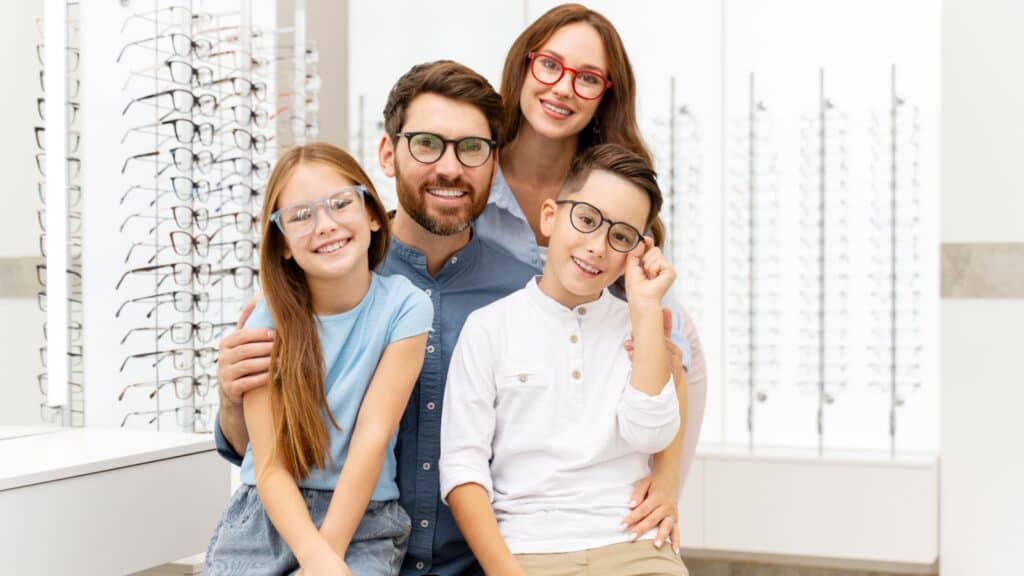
<point x="193" y="133"/>
<point x="679" y="161"/>
<point x="897" y="335"/>
<point x="839" y="274"/>
<point x="71" y="414"/>
<point x="753" y="303"/>
<point x="176" y="116"/>
<point x="825" y="256"/>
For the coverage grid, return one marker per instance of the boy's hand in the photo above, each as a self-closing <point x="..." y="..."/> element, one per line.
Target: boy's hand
<point x="648" y="274"/>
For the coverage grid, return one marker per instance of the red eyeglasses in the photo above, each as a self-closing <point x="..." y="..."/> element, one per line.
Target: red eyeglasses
<point x="548" y="70"/>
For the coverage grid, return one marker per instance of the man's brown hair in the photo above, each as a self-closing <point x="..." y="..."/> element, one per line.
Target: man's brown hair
<point x="444" y="78"/>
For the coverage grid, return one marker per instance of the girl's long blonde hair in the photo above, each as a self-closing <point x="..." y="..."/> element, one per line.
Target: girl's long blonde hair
<point x="297" y="398"/>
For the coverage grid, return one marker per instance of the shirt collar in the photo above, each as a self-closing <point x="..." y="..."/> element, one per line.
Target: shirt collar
<point x="503" y="197"/>
<point x="454" y="266"/>
<point x="552" y="306"/>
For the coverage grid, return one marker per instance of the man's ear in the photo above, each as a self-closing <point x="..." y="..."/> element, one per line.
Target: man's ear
<point x="548" y="211"/>
<point x="386" y="156"/>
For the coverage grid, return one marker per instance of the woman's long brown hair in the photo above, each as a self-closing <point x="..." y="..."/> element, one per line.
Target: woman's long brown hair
<point x="615" y="119"/>
<point x="298" y="401"/>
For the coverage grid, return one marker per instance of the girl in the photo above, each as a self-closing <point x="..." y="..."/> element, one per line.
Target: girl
<point x="567" y="86"/>
<point x="319" y="490"/>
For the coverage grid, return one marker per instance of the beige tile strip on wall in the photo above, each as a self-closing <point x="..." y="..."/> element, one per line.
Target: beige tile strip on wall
<point x="976" y="271"/>
<point x="18" y="277"/>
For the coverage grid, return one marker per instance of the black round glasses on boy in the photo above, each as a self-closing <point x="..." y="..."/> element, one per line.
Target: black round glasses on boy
<point x="586" y="218"/>
<point x="427" y="148"/>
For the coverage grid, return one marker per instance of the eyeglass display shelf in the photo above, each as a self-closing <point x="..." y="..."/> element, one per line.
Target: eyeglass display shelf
<point x="105" y="501"/>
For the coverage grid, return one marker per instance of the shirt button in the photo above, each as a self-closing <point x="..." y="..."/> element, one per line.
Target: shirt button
<point x="430" y="349"/>
<point x="575" y="374"/>
<point x="427" y="292"/>
<point x="426" y="465"/>
<point x="582" y="311"/>
<point x="523" y="377"/>
<point x="574" y="338"/>
<point x="455" y="259"/>
<point x="419" y="565"/>
<point x="424" y="524"/>
<point x="431" y="405"/>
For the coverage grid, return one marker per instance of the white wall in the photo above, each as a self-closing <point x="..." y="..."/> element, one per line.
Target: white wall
<point x="20" y="232"/>
<point x="982" y="176"/>
<point x="21" y="334"/>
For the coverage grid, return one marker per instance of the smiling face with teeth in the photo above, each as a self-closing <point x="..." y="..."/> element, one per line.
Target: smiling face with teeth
<point x="443" y="197"/>
<point x="579" y="266"/>
<point x="555" y="111"/>
<point x="337" y="248"/>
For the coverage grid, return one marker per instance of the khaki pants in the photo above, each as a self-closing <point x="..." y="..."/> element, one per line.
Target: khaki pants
<point x="626" y="559"/>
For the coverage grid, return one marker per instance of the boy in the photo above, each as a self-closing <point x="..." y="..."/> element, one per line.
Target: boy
<point x="546" y="423"/>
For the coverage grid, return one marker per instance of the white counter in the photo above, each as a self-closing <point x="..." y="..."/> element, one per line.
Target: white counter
<point x="853" y="510"/>
<point x="98" y="501"/>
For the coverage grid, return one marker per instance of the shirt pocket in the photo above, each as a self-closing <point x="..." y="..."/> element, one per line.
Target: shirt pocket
<point x="524" y="379"/>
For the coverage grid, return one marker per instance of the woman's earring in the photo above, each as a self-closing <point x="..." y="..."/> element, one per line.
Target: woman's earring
<point x="597" y="128"/>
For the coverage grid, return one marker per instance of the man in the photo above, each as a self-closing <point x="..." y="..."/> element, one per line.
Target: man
<point x="442" y="124"/>
<point x="438" y="119"/>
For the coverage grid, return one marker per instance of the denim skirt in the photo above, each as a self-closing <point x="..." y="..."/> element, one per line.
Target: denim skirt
<point x="246" y="542"/>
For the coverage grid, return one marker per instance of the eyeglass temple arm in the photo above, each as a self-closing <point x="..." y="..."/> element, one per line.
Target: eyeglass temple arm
<point x="124" y="167"/>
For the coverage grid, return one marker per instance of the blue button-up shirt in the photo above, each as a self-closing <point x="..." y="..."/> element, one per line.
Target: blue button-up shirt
<point x="473" y="277"/>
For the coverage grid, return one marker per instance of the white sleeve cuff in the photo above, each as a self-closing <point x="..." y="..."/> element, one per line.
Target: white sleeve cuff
<point x="649" y="423"/>
<point x="455" y="475"/>
<point x="652" y="410"/>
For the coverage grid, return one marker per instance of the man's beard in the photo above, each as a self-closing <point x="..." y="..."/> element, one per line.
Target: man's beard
<point x="452" y="220"/>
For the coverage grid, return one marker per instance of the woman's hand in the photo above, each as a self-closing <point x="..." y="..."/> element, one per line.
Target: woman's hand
<point x="655" y="503"/>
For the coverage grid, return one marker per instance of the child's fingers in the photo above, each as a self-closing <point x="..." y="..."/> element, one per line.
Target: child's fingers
<point x="652" y="267"/>
<point x="675" y="538"/>
<point x="654" y="261"/>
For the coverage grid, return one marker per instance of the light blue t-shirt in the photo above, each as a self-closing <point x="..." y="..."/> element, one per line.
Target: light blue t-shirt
<point x="353" y="343"/>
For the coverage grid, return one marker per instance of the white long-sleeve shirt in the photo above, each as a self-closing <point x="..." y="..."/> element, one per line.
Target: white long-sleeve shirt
<point x="539" y="410"/>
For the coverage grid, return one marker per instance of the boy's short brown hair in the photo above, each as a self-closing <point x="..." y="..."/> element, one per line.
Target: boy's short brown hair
<point x="628" y="165"/>
<point x="444" y="78"/>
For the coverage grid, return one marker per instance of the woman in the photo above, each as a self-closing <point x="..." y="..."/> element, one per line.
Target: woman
<point x="568" y="85"/>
